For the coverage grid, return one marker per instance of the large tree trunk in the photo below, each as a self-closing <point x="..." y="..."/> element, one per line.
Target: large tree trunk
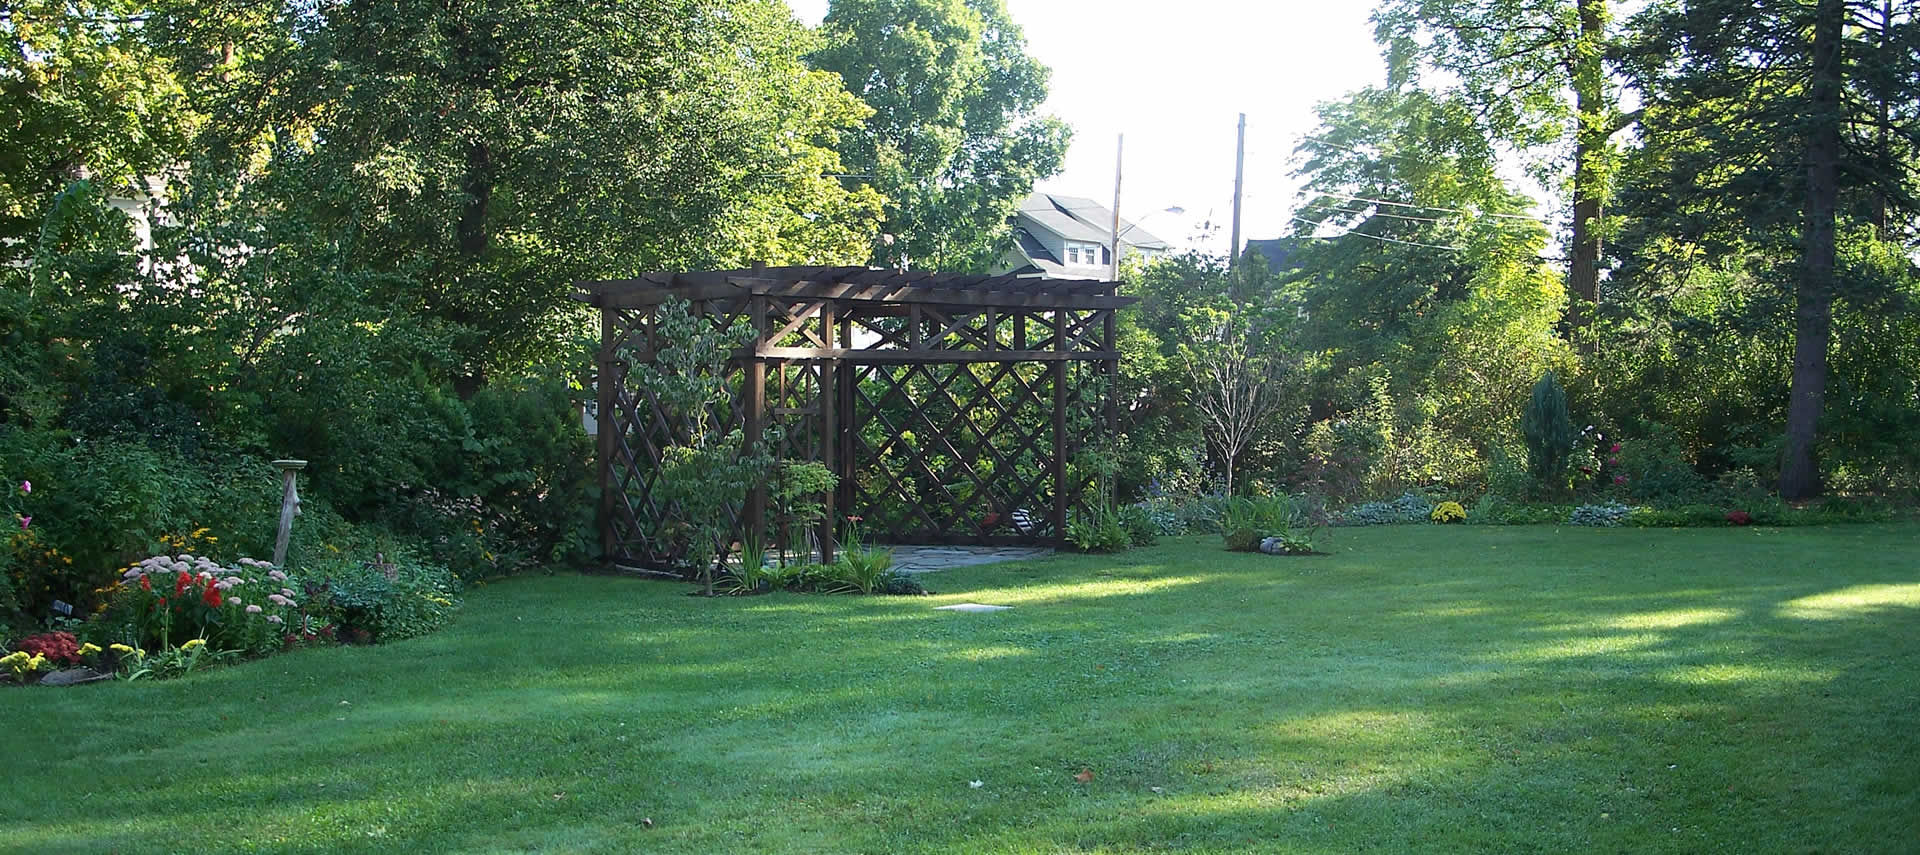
<point x="1590" y="141"/>
<point x="1813" y="315"/>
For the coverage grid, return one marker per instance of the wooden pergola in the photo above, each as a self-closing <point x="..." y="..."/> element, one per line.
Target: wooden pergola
<point x="950" y="406"/>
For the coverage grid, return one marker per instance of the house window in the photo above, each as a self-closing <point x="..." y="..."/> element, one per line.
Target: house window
<point x="1106" y="255"/>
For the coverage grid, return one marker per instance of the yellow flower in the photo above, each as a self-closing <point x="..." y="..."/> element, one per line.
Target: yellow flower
<point x="1447" y="512"/>
<point x="121" y="649"/>
<point x="333" y="548"/>
<point x="198" y="642"/>
<point x="13" y="658"/>
<point x="89" y="649"/>
<point x="37" y="662"/>
<point x="200" y="532"/>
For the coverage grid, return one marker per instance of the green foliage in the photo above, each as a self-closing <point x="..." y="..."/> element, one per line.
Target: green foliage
<point x="1245" y="521"/>
<point x="1605" y="515"/>
<point x="1409" y="508"/>
<point x="1548" y="429"/>
<point x="707" y="472"/>
<point x="1098" y="530"/>
<point x="794" y="495"/>
<point x="1143" y="527"/>
<point x="860" y="569"/>
<point x="377" y="604"/>
<point x="1657" y="469"/>
<point x="954" y="142"/>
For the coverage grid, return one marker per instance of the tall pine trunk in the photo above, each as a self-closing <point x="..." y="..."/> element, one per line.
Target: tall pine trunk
<point x="1813" y="314"/>
<point x="1590" y="141"/>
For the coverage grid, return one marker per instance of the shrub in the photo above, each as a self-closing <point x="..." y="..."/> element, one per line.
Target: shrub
<point x="860" y="569"/>
<point x="1142" y="530"/>
<point x="1605" y="515"/>
<point x="1548" y="429"/>
<point x="1098" y="530"/>
<point x="59" y="648"/>
<point x="1409" y="508"/>
<point x="1163" y="514"/>
<point x="1448" y="512"/>
<point x="377" y="603"/>
<point x="1244" y="522"/>
<point x="1656" y="468"/>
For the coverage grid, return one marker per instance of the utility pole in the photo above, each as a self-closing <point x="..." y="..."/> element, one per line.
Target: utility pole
<point x="1119" y="152"/>
<point x="1239" y="182"/>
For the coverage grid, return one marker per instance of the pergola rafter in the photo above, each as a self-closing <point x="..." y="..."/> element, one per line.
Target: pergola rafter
<point x="944" y="402"/>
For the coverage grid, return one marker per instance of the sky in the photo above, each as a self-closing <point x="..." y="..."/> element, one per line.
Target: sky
<point x="1174" y="77"/>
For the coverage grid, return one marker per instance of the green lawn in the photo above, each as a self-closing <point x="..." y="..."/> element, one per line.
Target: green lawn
<point x="1430" y="689"/>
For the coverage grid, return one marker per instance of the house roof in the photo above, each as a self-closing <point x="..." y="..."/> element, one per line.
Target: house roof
<point x="1078" y="219"/>
<point x="1276" y="251"/>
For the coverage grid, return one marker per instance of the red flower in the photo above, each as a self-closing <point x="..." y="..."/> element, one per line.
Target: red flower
<point x="1615" y="449"/>
<point x="211" y="596"/>
<point x="1619" y="479"/>
<point x="180" y="584"/>
<point x="1739" y="517"/>
<point x="146" y="584"/>
<point x="1586" y="470"/>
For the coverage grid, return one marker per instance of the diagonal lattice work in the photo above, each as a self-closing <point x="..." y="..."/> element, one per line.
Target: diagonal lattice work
<point x="950" y="406"/>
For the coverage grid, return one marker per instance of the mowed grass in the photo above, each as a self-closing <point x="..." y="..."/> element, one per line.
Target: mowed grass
<point x="1425" y="689"/>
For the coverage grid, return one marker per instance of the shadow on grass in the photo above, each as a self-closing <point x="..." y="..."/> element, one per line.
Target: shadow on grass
<point x="1425" y="690"/>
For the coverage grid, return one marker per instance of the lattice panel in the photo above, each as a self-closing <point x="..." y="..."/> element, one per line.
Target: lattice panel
<point x="948" y="453"/>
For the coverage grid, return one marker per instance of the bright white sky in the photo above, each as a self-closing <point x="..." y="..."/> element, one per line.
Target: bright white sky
<point x="1173" y="77"/>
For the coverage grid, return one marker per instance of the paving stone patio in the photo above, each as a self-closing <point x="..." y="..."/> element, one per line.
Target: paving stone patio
<point x="930" y="559"/>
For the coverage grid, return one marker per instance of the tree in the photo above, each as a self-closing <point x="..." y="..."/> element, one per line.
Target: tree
<point x="1237" y="388"/>
<point x="517" y="147"/>
<point x="1548" y="429"/>
<point x="1774" y="126"/>
<point x="1443" y="292"/>
<point x="954" y="142"/>
<point x="83" y="94"/>
<point x="1538" y="73"/>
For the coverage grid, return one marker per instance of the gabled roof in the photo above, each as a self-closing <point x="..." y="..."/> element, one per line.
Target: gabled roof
<point x="1078" y="219"/>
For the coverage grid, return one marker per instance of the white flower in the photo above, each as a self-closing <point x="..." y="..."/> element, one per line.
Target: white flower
<point x="976" y="784"/>
<point x="274" y="619"/>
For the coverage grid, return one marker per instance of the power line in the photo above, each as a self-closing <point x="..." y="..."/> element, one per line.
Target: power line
<point x="1392" y="203"/>
<point x="1353" y="233"/>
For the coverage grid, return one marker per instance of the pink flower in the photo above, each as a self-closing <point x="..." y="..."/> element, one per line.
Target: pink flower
<point x="26" y="521"/>
<point x="1613" y="461"/>
<point x="26" y="486"/>
<point x="253" y="610"/>
<point x="1615" y="449"/>
<point x="276" y="576"/>
<point x="1619" y="479"/>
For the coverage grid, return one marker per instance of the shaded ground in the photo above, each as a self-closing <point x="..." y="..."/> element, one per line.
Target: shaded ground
<point x="1427" y="689"/>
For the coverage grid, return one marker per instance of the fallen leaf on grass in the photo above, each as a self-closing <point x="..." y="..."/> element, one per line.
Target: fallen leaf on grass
<point x="1084" y="776"/>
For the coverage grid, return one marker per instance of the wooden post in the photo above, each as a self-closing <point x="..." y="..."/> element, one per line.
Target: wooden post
<point x="289" y="507"/>
<point x="606" y="390"/>
<point x="828" y="448"/>
<point x="1059" y="372"/>
<point x="753" y="522"/>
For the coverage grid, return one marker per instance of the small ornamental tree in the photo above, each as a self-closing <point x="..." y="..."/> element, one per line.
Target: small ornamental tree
<point x="705" y="473"/>
<point x="1548" y="429"/>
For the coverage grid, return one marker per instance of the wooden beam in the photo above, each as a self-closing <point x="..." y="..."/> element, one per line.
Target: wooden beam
<point x="902" y="357"/>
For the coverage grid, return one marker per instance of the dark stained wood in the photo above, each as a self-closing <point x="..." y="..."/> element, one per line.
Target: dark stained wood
<point x="944" y="402"/>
